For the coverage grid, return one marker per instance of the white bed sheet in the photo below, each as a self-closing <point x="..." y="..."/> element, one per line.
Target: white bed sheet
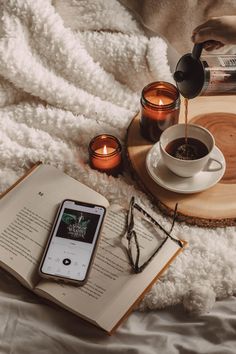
<point x="29" y="325"/>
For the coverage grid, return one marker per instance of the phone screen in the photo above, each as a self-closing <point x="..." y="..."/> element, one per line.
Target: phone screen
<point x="73" y="240"/>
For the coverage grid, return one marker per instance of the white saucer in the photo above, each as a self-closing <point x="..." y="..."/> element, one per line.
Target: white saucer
<point x="168" y="180"/>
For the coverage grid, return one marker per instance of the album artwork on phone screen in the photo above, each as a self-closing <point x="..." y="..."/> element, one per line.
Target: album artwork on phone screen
<point x="78" y="225"/>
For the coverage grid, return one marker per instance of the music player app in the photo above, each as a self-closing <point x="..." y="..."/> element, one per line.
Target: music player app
<point x="73" y="241"/>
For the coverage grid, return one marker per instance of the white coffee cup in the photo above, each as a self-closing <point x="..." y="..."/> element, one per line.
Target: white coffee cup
<point x="188" y="168"/>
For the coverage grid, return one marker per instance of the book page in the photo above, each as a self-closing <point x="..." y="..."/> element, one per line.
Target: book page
<point x="112" y="287"/>
<point x="26" y="216"/>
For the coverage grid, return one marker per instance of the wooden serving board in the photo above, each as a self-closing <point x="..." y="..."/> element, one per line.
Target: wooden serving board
<point x="215" y="206"/>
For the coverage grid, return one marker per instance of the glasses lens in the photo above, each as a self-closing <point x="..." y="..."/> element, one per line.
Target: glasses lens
<point x="149" y="237"/>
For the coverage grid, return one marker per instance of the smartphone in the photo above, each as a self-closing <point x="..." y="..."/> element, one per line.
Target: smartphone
<point x="72" y="243"/>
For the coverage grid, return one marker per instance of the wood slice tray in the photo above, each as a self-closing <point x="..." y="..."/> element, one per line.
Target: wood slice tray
<point x="215" y="207"/>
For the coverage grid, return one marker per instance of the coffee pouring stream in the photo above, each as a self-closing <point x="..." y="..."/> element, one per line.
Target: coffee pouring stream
<point x="206" y="75"/>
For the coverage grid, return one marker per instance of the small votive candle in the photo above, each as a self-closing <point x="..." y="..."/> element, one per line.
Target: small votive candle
<point x="105" y="154"/>
<point x="160" y="104"/>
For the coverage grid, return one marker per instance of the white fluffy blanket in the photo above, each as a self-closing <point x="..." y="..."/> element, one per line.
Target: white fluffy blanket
<point x="73" y="69"/>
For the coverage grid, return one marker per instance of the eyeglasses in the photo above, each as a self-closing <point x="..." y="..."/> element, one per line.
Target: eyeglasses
<point x="132" y="235"/>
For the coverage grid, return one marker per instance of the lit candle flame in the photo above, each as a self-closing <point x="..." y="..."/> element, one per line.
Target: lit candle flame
<point x="161" y="102"/>
<point x="104" y="150"/>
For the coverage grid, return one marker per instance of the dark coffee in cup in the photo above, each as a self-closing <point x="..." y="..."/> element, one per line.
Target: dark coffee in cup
<point x="190" y="149"/>
<point x="175" y="149"/>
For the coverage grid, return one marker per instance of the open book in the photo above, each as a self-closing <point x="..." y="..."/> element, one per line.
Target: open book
<point x="27" y="211"/>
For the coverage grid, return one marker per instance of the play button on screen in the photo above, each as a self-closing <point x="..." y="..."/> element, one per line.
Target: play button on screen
<point x="66" y="261"/>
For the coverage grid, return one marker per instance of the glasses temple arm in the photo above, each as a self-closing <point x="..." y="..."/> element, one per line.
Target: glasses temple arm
<point x="138" y="207"/>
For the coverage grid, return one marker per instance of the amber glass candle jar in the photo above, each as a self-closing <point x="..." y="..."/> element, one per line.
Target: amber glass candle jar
<point x="105" y="154"/>
<point x="160" y="104"/>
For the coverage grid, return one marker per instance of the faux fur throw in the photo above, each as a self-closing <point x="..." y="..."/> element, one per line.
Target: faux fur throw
<point x="72" y="69"/>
